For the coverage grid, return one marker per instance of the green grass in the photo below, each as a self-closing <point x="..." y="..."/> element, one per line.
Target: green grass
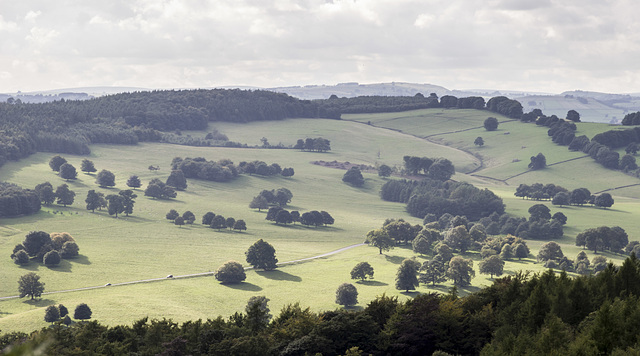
<point x="146" y="245"/>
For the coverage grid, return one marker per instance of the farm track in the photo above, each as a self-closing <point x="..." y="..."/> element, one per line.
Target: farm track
<point x="192" y="275"/>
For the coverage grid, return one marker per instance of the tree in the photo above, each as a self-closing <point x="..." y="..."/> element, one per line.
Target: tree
<point x="230" y="272"/>
<point x="287" y="172"/>
<point x="347" y="294"/>
<point x="55" y="162"/>
<point x="580" y="196"/>
<point x="21" y="257"/>
<point x="116" y="204"/>
<point x="550" y="251"/>
<point x="35" y="241"/>
<point x="218" y="222"/>
<point x="93" y="200"/>
<point x="45" y="193"/>
<point x="230" y="222"/>
<point x="442" y="169"/>
<point x="354" y="177"/>
<point x="188" y="217"/>
<point x="561" y="198"/>
<point x="87" y="166"/>
<point x="177" y="180"/>
<point x="493" y="265"/>
<point x="51" y="314"/>
<point x="258" y="313"/>
<point x="491" y="124"/>
<point x="172" y="214"/>
<point x="282" y="196"/>
<point x="380" y="239"/>
<point x="106" y="179"/>
<point x="65" y="195"/>
<point x="259" y="202"/>
<point x="128" y="200"/>
<point x="539" y="212"/>
<point x="573" y="115"/>
<point x="157" y="189"/>
<point x="30" y="285"/>
<point x="63" y="310"/>
<point x="407" y="276"/>
<point x="68" y="172"/>
<point x="458" y="238"/>
<point x="327" y="219"/>
<point x="134" y="182"/>
<point x="207" y="217"/>
<point x="384" y="171"/>
<point x="421" y="245"/>
<point x="361" y="271"/>
<point x="51" y="258"/>
<point x="70" y="249"/>
<point x="433" y="271"/>
<point x="262" y="255"/>
<point x="538" y="162"/>
<point x="460" y="271"/>
<point x="179" y="221"/>
<point x="478" y="141"/>
<point x="240" y="225"/>
<point x="82" y="312"/>
<point x="604" y="200"/>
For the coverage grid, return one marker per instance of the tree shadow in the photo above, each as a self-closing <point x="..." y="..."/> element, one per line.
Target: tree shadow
<point x="63" y="266"/>
<point x="394" y="259"/>
<point x="39" y="302"/>
<point x="134" y="218"/>
<point x="372" y="283"/>
<point x="245" y="286"/>
<point x="439" y="287"/>
<point x="32" y="266"/>
<point x="279" y="275"/>
<point x="81" y="259"/>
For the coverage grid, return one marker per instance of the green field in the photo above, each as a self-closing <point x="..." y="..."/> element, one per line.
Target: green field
<point x="146" y="245"/>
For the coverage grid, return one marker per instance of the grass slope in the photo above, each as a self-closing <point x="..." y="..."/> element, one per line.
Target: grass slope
<point x="146" y="245"/>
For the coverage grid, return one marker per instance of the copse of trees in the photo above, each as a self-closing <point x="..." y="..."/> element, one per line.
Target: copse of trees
<point x="631" y="119"/>
<point x="199" y="168"/>
<point x="263" y="169"/>
<point x="38" y="244"/>
<point x="318" y="144"/>
<point x="156" y="189"/>
<point x="280" y="197"/>
<point x="15" y="201"/>
<point x="538" y="162"/>
<point x="431" y="196"/>
<point x="354" y="177"/>
<point x="505" y="106"/>
<point x="613" y="239"/>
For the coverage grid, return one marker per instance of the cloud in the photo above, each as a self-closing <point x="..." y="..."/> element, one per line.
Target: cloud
<point x="530" y="45"/>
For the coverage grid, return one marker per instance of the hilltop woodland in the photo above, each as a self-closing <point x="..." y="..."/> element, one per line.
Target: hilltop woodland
<point x="593" y="312"/>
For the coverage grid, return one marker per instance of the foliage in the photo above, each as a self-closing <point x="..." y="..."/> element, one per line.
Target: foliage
<point x="493" y="265"/>
<point x="262" y="255"/>
<point x="199" y="168"/>
<point x="51" y="258"/>
<point x="15" y="201"/>
<point x="362" y="271"/>
<point x="30" y="285"/>
<point x="407" y="276"/>
<point x="230" y="272"/>
<point x="433" y="271"/>
<point x="354" y="177"/>
<point x="64" y="195"/>
<point x="347" y="294"/>
<point x="106" y="178"/>
<point x="318" y="144"/>
<point x="82" y="312"/>
<point x="134" y="182"/>
<point x="68" y="172"/>
<point x="538" y="162"/>
<point x="87" y="166"/>
<point x="56" y="162"/>
<point x="158" y="190"/>
<point x="51" y="314"/>
<point x="380" y="239"/>
<point x="550" y="251"/>
<point x="384" y="171"/>
<point x="172" y="215"/>
<point x="479" y="141"/>
<point x="461" y="271"/>
<point x="491" y="124"/>
<point x="177" y="180"/>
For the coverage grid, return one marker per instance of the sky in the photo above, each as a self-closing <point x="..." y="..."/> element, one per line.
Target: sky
<point x="530" y="45"/>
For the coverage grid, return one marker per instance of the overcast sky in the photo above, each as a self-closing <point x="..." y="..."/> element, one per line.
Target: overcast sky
<point x="532" y="45"/>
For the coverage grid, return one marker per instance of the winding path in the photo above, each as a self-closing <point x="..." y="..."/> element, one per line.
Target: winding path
<point x="192" y="275"/>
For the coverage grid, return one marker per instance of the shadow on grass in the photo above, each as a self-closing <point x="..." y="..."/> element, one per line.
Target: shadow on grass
<point x="64" y="266"/>
<point x="372" y="283"/>
<point x="38" y="302"/>
<point x="81" y="259"/>
<point x="394" y="259"/>
<point x="440" y="288"/>
<point x="245" y="286"/>
<point x="278" y="275"/>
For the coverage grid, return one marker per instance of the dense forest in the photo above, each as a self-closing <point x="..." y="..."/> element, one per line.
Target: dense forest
<point x="533" y="314"/>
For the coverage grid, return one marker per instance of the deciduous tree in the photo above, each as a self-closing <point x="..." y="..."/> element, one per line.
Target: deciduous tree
<point x="87" y="166"/>
<point x="51" y="314"/>
<point x="240" y="225"/>
<point x="384" y="171"/>
<point x="128" y="200"/>
<point x="354" y="177"/>
<point x="177" y="180"/>
<point x="478" y="141"/>
<point x="230" y="272"/>
<point x="30" y="285"/>
<point x="55" y="162"/>
<point x="493" y="265"/>
<point x="460" y="271"/>
<point x="115" y="204"/>
<point x="218" y="222"/>
<point x="347" y="294"/>
<point x="433" y="271"/>
<point x="407" y="276"/>
<point x="45" y="193"/>
<point x="106" y="179"/>
<point x="362" y="271"/>
<point x="134" y="182"/>
<point x="68" y="172"/>
<point x="64" y="195"/>
<point x="262" y="255"/>
<point x="82" y="312"/>
<point x="380" y="239"/>
<point x="491" y="124"/>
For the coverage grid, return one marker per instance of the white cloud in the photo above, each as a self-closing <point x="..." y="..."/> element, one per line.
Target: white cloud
<point x="546" y="45"/>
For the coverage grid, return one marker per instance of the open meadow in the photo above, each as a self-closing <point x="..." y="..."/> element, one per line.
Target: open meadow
<point x="146" y="245"/>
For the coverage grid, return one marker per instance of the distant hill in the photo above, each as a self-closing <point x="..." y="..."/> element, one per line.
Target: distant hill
<point x="353" y="89"/>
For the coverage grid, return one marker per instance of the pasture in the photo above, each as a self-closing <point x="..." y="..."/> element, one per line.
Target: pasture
<point x="146" y="245"/>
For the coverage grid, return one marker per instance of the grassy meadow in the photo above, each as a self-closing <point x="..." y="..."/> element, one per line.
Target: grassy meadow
<point x="145" y="245"/>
